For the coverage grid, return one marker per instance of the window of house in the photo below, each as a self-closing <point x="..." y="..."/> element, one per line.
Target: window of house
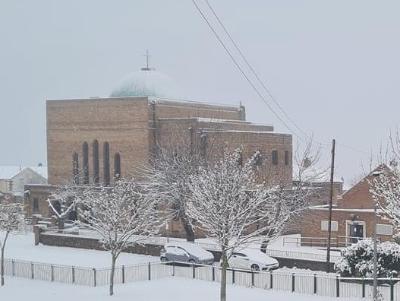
<point x="325" y="225"/>
<point x="35" y="205"/>
<point x="106" y="163"/>
<point x="275" y="157"/>
<point x="85" y="164"/>
<point x="383" y="229"/>
<point x="95" y="150"/>
<point x="287" y="158"/>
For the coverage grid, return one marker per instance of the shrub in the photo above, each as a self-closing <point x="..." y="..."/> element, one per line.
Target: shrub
<point x="357" y="259"/>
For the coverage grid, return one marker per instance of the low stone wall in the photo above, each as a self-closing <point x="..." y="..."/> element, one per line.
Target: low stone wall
<point x="72" y="241"/>
<point x="61" y="240"/>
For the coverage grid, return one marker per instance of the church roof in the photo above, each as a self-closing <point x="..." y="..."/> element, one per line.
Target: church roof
<point x="146" y="82"/>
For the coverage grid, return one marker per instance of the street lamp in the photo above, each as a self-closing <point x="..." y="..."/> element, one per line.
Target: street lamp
<point x="375" y="258"/>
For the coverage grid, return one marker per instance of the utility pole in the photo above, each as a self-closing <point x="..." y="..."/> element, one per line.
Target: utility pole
<point x="328" y="249"/>
<point x="375" y="257"/>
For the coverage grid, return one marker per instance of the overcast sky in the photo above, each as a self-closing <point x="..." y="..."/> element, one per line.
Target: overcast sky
<point x="332" y="65"/>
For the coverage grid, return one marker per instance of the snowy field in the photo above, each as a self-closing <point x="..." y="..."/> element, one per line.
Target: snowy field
<point x="21" y="247"/>
<point x="170" y="289"/>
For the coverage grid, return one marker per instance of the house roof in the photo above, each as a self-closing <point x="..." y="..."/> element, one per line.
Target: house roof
<point x="7" y="172"/>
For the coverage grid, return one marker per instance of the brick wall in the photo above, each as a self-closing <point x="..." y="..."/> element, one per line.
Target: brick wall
<point x="123" y="123"/>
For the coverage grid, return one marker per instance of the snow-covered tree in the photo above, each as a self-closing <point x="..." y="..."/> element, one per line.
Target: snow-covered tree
<point x="169" y="175"/>
<point x="11" y="220"/>
<point x="229" y="205"/>
<point x="121" y="214"/>
<point x="385" y="189"/>
<point x="62" y="202"/>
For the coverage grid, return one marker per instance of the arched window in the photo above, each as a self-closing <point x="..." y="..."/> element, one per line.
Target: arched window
<point x="95" y="150"/>
<point x="75" y="168"/>
<point x="85" y="164"/>
<point x="106" y="163"/>
<point x="117" y="166"/>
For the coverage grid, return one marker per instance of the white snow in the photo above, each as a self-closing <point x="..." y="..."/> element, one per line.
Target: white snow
<point x="21" y="247"/>
<point x="175" y="289"/>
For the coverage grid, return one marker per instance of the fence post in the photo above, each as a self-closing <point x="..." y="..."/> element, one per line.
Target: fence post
<point x="32" y="271"/>
<point x="13" y="267"/>
<point x="94" y="277"/>
<point x="252" y="278"/>
<point x="315" y="284"/>
<point x="233" y="276"/>
<point x="73" y="274"/>
<point x="149" y="270"/>
<point x="271" y="280"/>
<point x="213" y="273"/>
<point x="123" y="274"/>
<point x="293" y="283"/>
<point x="391" y="288"/>
<point x="363" y="288"/>
<point x="52" y="273"/>
<point x="337" y="286"/>
<point x="193" y="271"/>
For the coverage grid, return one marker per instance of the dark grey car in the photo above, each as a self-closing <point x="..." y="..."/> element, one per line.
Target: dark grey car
<point x="186" y="252"/>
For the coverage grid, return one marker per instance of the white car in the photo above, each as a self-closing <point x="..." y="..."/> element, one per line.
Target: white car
<point x="252" y="259"/>
<point x="186" y="252"/>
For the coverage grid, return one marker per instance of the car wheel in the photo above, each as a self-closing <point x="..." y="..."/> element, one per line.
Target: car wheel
<point x="163" y="259"/>
<point x="192" y="261"/>
<point x="255" y="268"/>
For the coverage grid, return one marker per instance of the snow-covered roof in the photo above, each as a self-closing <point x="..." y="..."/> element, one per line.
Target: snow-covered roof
<point x="146" y="82"/>
<point x="7" y="172"/>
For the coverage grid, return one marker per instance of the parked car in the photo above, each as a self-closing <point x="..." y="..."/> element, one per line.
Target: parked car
<point x="186" y="252"/>
<point x="252" y="259"/>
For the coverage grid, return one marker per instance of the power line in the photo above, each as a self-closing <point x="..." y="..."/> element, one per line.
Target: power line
<point x="241" y="70"/>
<point x="252" y="69"/>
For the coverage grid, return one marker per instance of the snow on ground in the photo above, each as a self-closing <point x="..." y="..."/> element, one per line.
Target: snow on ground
<point x="174" y="289"/>
<point x="21" y="247"/>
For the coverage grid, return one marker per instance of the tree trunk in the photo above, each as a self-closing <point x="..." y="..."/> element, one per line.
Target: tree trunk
<point x="113" y="260"/>
<point x="223" y="276"/>
<point x="60" y="225"/>
<point x="2" y="259"/>
<point x="188" y="229"/>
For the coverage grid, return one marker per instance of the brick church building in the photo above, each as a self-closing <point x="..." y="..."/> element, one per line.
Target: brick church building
<point x="103" y="138"/>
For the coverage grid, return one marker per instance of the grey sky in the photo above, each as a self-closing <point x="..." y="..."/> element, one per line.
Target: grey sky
<point x="333" y="65"/>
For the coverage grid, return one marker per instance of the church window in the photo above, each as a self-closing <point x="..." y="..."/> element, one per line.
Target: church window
<point x="95" y="150"/>
<point x="275" y="157"/>
<point x="117" y="166"/>
<point x="106" y="163"/>
<point x="287" y="158"/>
<point x="85" y="165"/>
<point x="75" y="168"/>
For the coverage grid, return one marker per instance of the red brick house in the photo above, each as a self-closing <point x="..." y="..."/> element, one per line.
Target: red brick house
<point x="352" y="217"/>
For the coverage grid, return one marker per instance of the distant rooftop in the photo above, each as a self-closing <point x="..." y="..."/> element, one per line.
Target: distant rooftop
<point x="7" y="172"/>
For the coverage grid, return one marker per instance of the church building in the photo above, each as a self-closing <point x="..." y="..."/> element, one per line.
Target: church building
<point x="100" y="139"/>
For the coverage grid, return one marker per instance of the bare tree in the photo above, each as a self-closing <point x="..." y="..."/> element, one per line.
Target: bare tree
<point x="122" y="214"/>
<point x="10" y="220"/>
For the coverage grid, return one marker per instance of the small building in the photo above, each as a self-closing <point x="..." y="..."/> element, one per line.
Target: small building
<point x="14" y="178"/>
<point x="352" y="218"/>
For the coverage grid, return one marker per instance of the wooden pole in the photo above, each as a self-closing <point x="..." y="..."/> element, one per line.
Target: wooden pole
<point x="328" y="249"/>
